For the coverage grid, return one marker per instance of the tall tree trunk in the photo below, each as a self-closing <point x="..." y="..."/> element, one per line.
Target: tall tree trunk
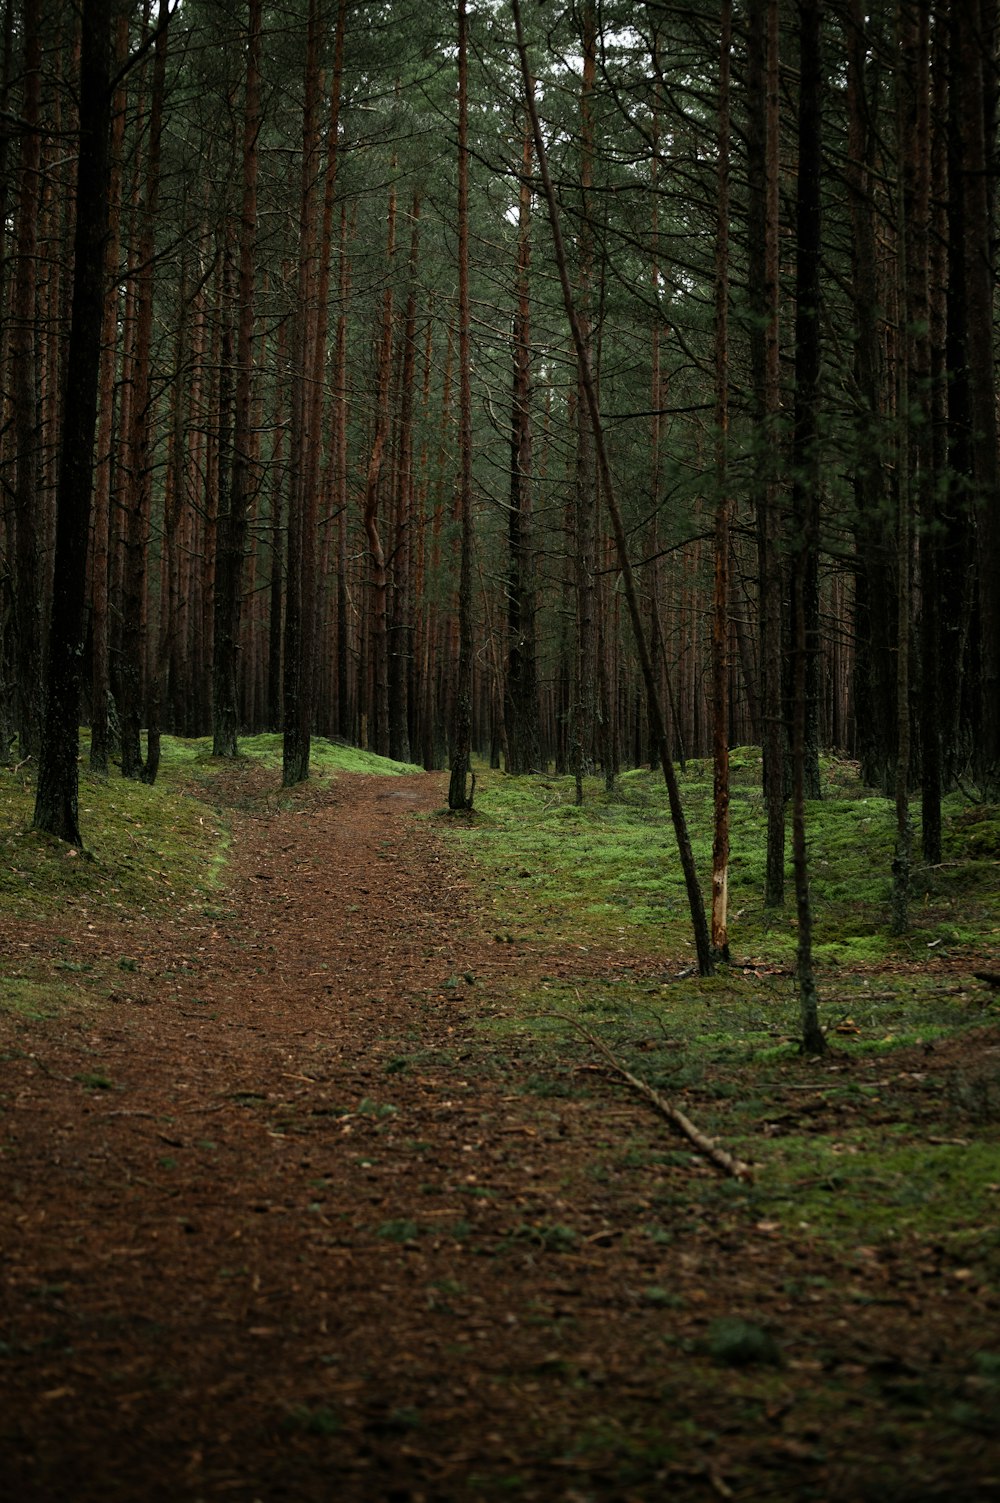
<point x="56" y="799"/>
<point x="232" y="528"/>
<point x="379" y="614"/>
<point x="932" y="493"/>
<point x="521" y="692"/>
<point x="723" y="507"/>
<point x="345" y="709"/>
<point x="301" y="571"/>
<point x="459" y="794"/>
<point x="585" y="480"/>
<point x="140" y="433"/>
<point x="401" y="614"/>
<point x="27" y="419"/>
<point x="763" y="167"/>
<point x="805" y="490"/>
<point x="975" y="102"/>
<point x="100" y="623"/>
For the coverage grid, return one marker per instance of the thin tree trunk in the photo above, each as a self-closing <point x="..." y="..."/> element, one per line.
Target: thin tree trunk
<point x="301" y="572"/>
<point x="763" y="166"/>
<point x="100" y="624"/>
<point x="379" y="723"/>
<point x="695" y="901"/>
<point x="723" y="507"/>
<point x="232" y="528"/>
<point x="805" y="490"/>
<point x="521" y="693"/>
<point x="585" y="480"/>
<point x="458" y="796"/>
<point x="140" y="433"/>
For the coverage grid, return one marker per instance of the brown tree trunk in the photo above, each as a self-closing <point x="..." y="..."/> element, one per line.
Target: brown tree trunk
<point x="140" y="433"/>
<point x="301" y="570"/>
<point x="100" y="632"/>
<point x="521" y="688"/>
<point x="378" y="730"/>
<point x="459" y="794"/>
<point x="763" y="167"/>
<point x="723" y="508"/>
<point x="232" y="528"/>
<point x="805" y="490"/>
<point x="585" y="479"/>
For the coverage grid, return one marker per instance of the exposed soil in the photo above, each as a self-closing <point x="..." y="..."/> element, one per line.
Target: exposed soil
<point x="285" y="1221"/>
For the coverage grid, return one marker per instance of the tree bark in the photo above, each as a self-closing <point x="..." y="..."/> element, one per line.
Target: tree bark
<point x="521" y="692"/>
<point x="763" y="167"/>
<point x="459" y="794"/>
<point x="805" y="490"/>
<point x="27" y="418"/>
<point x="723" y="508"/>
<point x="57" y="800"/>
<point x="232" y="527"/>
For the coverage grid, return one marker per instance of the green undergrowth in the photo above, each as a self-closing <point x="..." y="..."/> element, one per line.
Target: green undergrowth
<point x="607" y="872"/>
<point x="895" y="1136"/>
<point x="146" y="849"/>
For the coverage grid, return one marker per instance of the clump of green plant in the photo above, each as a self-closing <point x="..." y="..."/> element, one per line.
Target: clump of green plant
<point x="313" y="1420"/>
<point x="735" y="1342"/>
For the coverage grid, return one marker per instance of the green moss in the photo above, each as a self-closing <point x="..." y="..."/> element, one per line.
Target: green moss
<point x="28" y="998"/>
<point x="609" y="868"/>
<point x="871" y="1184"/>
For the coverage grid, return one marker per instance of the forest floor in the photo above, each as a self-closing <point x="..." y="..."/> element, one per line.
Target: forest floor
<point x="299" y="1213"/>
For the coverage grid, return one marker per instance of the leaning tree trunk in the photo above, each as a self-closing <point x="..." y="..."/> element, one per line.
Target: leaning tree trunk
<point x="695" y="901"/>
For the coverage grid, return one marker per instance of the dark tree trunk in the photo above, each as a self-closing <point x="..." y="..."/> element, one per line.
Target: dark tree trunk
<point x="805" y="491"/>
<point x="585" y="486"/>
<point x="762" y="163"/>
<point x="27" y="419"/>
<point x="723" y="508"/>
<point x="459" y="794"/>
<point x="100" y="739"/>
<point x="56" y="800"/>
<point x="301" y="570"/>
<point x="232" y="529"/>
<point x="140" y="433"/>
<point x="521" y="692"/>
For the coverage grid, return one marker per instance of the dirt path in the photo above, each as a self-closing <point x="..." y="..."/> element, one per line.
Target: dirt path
<point x="301" y="1218"/>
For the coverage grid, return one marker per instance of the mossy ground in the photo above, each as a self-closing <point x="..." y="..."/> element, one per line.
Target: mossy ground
<point x="896" y="1134"/>
<point x="610" y="866"/>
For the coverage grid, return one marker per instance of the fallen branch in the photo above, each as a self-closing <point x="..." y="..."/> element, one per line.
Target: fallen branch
<point x="718" y="1156"/>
